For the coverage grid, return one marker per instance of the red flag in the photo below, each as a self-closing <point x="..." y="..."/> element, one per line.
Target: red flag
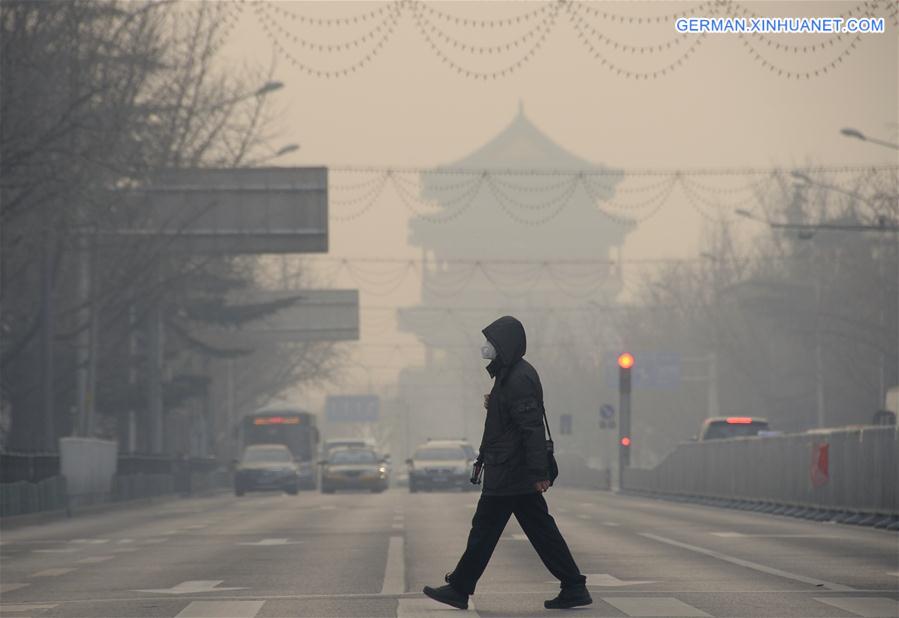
<point x="820" y="471"/>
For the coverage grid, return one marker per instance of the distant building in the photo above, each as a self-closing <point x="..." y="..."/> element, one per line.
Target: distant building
<point x="513" y="221"/>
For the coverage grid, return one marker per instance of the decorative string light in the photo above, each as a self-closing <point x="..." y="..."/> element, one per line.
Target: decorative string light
<point x="539" y="23"/>
<point x="545" y="28"/>
<point x="514" y="191"/>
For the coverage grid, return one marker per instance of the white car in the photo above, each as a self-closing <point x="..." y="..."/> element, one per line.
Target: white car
<point x="441" y="464"/>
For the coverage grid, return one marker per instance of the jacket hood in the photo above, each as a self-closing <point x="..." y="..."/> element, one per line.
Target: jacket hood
<point x="507" y="336"/>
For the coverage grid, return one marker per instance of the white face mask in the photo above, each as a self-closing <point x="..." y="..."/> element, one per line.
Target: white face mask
<point x="488" y="352"/>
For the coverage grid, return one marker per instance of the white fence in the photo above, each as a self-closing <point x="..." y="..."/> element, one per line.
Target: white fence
<point x="845" y="469"/>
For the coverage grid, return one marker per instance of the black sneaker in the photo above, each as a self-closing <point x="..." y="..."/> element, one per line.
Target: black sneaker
<point x="447" y="594"/>
<point x="568" y="598"/>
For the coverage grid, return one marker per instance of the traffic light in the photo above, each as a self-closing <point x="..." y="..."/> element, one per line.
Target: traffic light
<point x="626" y="362"/>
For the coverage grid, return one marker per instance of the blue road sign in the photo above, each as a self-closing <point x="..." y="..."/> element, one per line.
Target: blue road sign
<point x="607" y="411"/>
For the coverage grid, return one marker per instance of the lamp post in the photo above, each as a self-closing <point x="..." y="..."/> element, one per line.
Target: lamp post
<point x="713" y="396"/>
<point x="856" y="134"/>
<point x="287" y="149"/>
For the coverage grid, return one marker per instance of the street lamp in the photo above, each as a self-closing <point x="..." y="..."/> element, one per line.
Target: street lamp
<point x="286" y="149"/>
<point x="855" y="133"/>
<point x="883" y="225"/>
<point x="269" y="87"/>
<point x="278" y="153"/>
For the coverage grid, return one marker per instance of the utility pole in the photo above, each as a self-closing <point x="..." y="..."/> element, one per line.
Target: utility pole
<point x="154" y="377"/>
<point x="48" y="334"/>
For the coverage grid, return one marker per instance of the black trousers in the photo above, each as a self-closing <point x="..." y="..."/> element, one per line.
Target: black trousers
<point x="487" y="526"/>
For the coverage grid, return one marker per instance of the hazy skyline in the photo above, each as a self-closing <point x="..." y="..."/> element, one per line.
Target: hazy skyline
<point x="406" y="107"/>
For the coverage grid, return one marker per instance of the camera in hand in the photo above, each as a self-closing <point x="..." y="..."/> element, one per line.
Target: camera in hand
<point x="476" y="471"/>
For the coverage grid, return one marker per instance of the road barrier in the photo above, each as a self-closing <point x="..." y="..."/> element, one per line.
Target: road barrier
<point x="574" y="472"/>
<point x="848" y="470"/>
<point x="31" y="467"/>
<point x="32" y="482"/>
<point x="22" y="497"/>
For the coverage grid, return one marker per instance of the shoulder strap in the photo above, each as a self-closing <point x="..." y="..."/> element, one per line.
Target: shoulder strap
<point x="546" y="422"/>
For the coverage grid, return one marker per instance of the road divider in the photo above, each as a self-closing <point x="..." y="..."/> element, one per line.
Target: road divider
<point x="847" y="474"/>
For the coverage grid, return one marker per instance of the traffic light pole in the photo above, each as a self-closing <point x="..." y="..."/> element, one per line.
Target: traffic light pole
<point x="625" y="362"/>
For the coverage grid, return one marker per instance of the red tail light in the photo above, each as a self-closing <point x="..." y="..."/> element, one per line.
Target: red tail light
<point x="625" y="441"/>
<point x="739" y="420"/>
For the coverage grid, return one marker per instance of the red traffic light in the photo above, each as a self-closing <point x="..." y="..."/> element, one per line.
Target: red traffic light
<point x="626" y="360"/>
<point x="625" y="441"/>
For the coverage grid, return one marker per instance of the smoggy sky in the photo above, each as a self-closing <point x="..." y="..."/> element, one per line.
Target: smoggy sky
<point x="406" y="106"/>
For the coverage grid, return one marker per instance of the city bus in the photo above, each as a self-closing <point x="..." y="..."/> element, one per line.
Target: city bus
<point x="294" y="428"/>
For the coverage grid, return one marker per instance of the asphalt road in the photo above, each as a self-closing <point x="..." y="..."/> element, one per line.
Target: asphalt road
<point x="359" y="554"/>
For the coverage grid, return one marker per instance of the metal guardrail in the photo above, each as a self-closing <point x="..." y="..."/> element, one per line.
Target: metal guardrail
<point x="31" y="482"/>
<point x="29" y="467"/>
<point x="23" y="497"/>
<point x="861" y="474"/>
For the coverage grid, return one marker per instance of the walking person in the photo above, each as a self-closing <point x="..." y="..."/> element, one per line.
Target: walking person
<point x="514" y="454"/>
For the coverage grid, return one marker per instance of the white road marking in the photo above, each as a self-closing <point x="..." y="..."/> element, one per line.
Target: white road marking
<point x="873" y="607"/>
<point x="270" y="542"/>
<point x="124" y="541"/>
<point x="196" y="527"/>
<point x="123" y="550"/>
<point x="428" y="608"/>
<point x="328" y="507"/>
<point x="896" y="573"/>
<point x="395" y="569"/>
<point x="653" y="606"/>
<point x="740" y="535"/>
<point x="583" y="516"/>
<point x="65" y="550"/>
<point x="516" y="537"/>
<point x="560" y="510"/>
<point x="94" y="559"/>
<point x="397" y="525"/>
<point x="52" y="572"/>
<point x="609" y="581"/>
<point x="154" y="540"/>
<point x="752" y="565"/>
<point x="611" y="524"/>
<point x="214" y="609"/>
<point x="190" y="587"/>
<point x="4" y="588"/>
<point x="89" y="541"/>
<point x="26" y="607"/>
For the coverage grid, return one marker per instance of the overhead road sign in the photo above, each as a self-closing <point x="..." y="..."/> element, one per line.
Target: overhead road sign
<point x="231" y="210"/>
<point x="315" y="315"/>
<point x="352" y="408"/>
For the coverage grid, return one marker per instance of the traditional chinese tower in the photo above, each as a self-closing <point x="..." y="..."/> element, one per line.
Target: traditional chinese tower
<point x="505" y="241"/>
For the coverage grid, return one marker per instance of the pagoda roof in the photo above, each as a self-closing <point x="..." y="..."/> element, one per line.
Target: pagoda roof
<point x="522" y="145"/>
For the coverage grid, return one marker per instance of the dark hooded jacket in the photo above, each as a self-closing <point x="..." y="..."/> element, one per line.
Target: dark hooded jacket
<point x="514" y="444"/>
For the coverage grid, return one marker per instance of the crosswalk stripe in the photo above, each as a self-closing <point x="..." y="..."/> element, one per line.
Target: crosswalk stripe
<point x="4" y="588"/>
<point x="26" y="607"/>
<point x="94" y="559"/>
<point x="52" y="572"/>
<point x="428" y="608"/>
<point x="873" y="607"/>
<point x="214" y="609"/>
<point x="653" y="606"/>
